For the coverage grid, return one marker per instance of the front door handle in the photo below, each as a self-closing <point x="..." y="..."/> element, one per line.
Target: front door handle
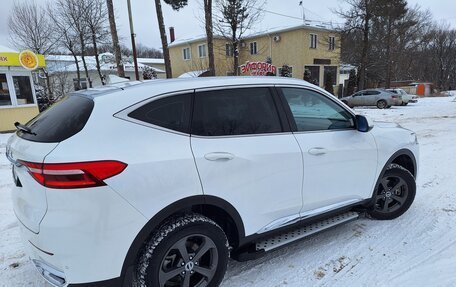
<point x="317" y="151"/>
<point x="219" y="156"/>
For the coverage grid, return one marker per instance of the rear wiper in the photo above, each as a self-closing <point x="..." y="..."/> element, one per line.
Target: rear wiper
<point x="23" y="128"/>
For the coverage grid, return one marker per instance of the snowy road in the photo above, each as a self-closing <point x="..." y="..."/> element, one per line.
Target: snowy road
<point x="417" y="249"/>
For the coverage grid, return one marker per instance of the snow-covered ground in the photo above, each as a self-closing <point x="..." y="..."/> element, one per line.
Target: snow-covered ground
<point x="417" y="249"/>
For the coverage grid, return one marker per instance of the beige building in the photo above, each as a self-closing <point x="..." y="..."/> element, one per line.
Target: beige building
<point x="302" y="47"/>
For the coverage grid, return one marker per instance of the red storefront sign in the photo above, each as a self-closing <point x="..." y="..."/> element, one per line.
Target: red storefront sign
<point x="258" y="68"/>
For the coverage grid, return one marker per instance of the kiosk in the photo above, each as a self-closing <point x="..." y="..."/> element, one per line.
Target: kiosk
<point x="17" y="93"/>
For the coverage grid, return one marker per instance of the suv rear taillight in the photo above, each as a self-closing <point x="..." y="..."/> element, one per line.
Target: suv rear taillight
<point x="394" y="97"/>
<point x="74" y="175"/>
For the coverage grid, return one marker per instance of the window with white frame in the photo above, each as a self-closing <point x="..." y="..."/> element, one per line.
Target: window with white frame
<point x="229" y="50"/>
<point x="186" y="53"/>
<point x="16" y="89"/>
<point x="332" y="43"/>
<point x="289" y="72"/>
<point x="202" y="51"/>
<point x="313" y="41"/>
<point x="253" y="48"/>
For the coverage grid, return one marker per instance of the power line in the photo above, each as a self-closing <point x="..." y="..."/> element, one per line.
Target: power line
<point x="294" y="17"/>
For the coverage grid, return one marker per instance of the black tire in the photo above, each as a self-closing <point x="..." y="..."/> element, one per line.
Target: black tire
<point x="173" y="257"/>
<point x="394" y="194"/>
<point x="381" y="104"/>
<point x="404" y="104"/>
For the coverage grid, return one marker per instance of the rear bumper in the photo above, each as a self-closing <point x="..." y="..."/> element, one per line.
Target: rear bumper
<point x="84" y="237"/>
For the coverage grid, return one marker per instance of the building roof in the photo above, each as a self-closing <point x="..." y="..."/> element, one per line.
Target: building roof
<point x="65" y="63"/>
<point x="192" y="74"/>
<point x="308" y="25"/>
<point x="151" y="61"/>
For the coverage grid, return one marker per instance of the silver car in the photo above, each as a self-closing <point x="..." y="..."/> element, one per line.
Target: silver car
<point x="406" y="98"/>
<point x="373" y="97"/>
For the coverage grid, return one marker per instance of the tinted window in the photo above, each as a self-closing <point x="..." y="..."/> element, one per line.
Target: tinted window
<point x="372" y="93"/>
<point x="172" y="112"/>
<point x="235" y="112"/>
<point x="313" y="111"/>
<point x="60" y="121"/>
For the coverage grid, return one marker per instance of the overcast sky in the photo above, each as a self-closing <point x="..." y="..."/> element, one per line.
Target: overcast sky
<point x="187" y="21"/>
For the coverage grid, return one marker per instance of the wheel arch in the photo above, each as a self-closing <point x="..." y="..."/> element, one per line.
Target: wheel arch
<point x="402" y="156"/>
<point x="219" y="210"/>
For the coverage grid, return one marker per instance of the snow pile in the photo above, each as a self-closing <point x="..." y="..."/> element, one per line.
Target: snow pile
<point x="417" y="249"/>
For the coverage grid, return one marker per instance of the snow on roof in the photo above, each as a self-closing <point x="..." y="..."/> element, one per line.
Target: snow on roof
<point x="4" y="49"/>
<point x="307" y="25"/>
<point x="192" y="74"/>
<point x="181" y="41"/>
<point x="65" y="63"/>
<point x="151" y="61"/>
<point x="314" y="25"/>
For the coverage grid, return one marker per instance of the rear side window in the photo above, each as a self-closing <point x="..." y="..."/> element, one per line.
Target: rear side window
<point x="172" y="112"/>
<point x="62" y="120"/>
<point x="235" y="112"/>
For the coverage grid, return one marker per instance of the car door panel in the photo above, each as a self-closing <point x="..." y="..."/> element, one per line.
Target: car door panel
<point x="257" y="169"/>
<point x="339" y="161"/>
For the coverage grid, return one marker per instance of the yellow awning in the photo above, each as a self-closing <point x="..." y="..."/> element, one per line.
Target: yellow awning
<point x="26" y="59"/>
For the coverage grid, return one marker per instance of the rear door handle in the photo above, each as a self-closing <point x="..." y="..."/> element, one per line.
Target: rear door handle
<point x="317" y="151"/>
<point x="219" y="156"/>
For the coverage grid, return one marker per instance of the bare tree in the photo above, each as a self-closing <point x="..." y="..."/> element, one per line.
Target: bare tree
<point x="96" y="19"/>
<point x="115" y="39"/>
<point x="358" y="19"/>
<point x="233" y="19"/>
<point x="209" y="35"/>
<point x="65" y="37"/>
<point x="176" y="5"/>
<point x="146" y="52"/>
<point x="30" y="28"/>
<point x="75" y="12"/>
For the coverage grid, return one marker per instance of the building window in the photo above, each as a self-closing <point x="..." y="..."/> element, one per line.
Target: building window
<point x="290" y="72"/>
<point x="253" y="48"/>
<point x="186" y="53"/>
<point x="331" y="73"/>
<point x="16" y="90"/>
<point x="23" y="88"/>
<point x="82" y="84"/>
<point x="313" y="74"/>
<point x="229" y="50"/>
<point x="332" y="43"/>
<point x="313" y="41"/>
<point x="202" y="51"/>
<point x="5" y="97"/>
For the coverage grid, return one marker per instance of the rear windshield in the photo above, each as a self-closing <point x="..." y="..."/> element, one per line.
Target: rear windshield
<point x="62" y="120"/>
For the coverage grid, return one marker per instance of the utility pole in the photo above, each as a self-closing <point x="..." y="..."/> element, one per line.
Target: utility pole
<point x="133" y="45"/>
<point x="303" y="14"/>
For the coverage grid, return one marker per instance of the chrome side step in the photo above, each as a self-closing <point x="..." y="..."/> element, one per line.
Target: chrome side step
<point x="304" y="231"/>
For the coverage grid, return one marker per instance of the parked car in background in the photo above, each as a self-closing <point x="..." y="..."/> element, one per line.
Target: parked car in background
<point x="406" y="98"/>
<point x="278" y="159"/>
<point x="381" y="98"/>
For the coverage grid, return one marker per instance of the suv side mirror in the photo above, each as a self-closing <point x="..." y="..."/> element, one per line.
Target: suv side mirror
<point x="363" y="124"/>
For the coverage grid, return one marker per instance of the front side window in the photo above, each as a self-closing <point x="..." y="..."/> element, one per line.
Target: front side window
<point x="23" y="88"/>
<point x="235" y="112"/>
<point x="186" y="53"/>
<point x="172" y="112"/>
<point x="315" y="112"/>
<point x="253" y="48"/>
<point x="202" y="51"/>
<point x="5" y="96"/>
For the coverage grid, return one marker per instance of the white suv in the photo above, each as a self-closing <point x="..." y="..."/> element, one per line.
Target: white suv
<point x="158" y="183"/>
